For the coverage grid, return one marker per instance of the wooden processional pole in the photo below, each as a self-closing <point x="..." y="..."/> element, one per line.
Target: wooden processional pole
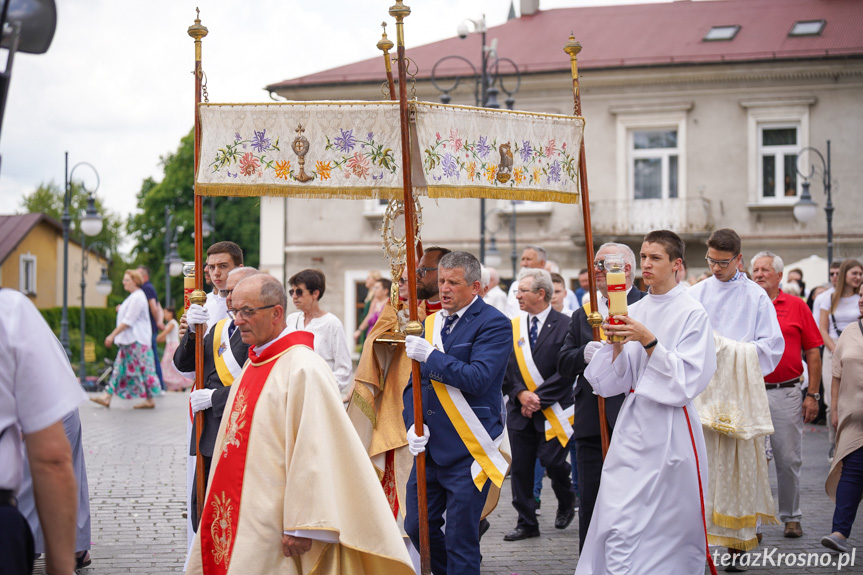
<point x="197" y="31"/>
<point x="385" y="45"/>
<point x="594" y="318"/>
<point x="399" y="11"/>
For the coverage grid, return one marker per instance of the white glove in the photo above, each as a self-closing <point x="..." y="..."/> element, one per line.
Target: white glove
<point x="417" y="445"/>
<point x="197" y="314"/>
<point x="591" y="348"/>
<point x="201" y="399"/>
<point x="418" y="348"/>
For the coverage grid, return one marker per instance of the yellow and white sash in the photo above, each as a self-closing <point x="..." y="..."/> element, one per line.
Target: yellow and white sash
<point x="226" y="364"/>
<point x="489" y="462"/>
<point x="558" y="421"/>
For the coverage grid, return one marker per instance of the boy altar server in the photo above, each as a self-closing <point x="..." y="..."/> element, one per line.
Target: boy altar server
<point x="648" y="516"/>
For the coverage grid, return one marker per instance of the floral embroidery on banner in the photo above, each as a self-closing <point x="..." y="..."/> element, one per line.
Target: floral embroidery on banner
<point x="236" y="422"/>
<point x="221" y="530"/>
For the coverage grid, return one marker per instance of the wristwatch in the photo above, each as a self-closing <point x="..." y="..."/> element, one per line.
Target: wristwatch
<point x="816" y="395"/>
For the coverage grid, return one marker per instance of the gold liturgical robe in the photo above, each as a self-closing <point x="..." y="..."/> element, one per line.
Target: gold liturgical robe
<point x="306" y="469"/>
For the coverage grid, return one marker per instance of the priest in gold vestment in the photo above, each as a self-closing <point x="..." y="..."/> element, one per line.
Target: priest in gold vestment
<point x="291" y="490"/>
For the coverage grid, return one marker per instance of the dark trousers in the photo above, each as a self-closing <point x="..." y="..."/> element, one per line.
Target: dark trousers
<point x="158" y="363"/>
<point x="195" y="518"/>
<point x="449" y="489"/>
<point x="528" y="445"/>
<point x="589" y="461"/>
<point x="848" y="492"/>
<point x="16" y="543"/>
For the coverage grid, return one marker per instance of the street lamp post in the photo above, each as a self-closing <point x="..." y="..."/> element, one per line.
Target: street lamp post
<point x="91" y="225"/>
<point x="172" y="261"/>
<point x="493" y="257"/>
<point x="485" y="89"/>
<point x="103" y="287"/>
<point x="806" y="208"/>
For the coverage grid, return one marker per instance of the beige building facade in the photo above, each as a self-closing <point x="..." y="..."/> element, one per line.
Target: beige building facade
<point x="691" y="146"/>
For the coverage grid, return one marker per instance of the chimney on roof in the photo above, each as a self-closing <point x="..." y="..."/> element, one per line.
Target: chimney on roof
<point x="529" y="7"/>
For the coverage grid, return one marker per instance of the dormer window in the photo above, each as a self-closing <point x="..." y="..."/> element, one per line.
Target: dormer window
<point x="722" y="33"/>
<point x="807" y="28"/>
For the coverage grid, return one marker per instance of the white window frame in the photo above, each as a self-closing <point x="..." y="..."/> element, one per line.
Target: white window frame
<point x="773" y="112"/>
<point x="638" y="119"/>
<point x="27" y="282"/>
<point x="663" y="154"/>
<point x="375" y="207"/>
<point x="779" y="152"/>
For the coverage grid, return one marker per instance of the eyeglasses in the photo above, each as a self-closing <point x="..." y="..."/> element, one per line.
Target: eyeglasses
<point x="247" y="312"/>
<point x="834" y="273"/>
<point x="402" y="281"/>
<point x="225" y="292"/>
<point x="599" y="265"/>
<point x="421" y="272"/>
<point x="298" y="291"/>
<point x="721" y="263"/>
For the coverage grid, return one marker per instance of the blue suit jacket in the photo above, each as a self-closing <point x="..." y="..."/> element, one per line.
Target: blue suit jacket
<point x="475" y="359"/>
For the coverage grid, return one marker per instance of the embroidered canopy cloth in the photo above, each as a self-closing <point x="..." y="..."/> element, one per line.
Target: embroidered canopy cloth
<point x="353" y="150"/>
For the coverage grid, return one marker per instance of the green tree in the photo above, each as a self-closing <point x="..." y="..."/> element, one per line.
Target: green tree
<point x="236" y="219"/>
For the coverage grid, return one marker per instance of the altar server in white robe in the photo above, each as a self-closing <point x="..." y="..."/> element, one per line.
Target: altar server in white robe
<point x="648" y="516"/>
<point x="738" y="493"/>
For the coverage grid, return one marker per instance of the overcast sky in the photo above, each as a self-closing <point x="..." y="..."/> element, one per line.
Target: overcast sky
<point x="116" y="90"/>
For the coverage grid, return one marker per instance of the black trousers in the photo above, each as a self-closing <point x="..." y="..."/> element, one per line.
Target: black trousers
<point x="194" y="506"/>
<point x="589" y="462"/>
<point x="16" y="542"/>
<point x="528" y="445"/>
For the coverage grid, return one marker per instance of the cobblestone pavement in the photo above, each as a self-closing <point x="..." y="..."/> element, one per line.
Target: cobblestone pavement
<point x="136" y="469"/>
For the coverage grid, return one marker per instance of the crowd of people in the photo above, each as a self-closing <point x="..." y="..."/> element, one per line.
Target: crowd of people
<point x="704" y="382"/>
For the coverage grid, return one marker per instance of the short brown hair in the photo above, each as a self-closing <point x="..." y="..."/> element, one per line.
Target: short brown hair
<point x="558" y="279"/>
<point x="229" y="248"/>
<point x="314" y="280"/>
<point x="136" y="277"/>
<point x="671" y="242"/>
<point x="725" y="240"/>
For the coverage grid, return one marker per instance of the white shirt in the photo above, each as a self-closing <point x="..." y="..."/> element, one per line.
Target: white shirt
<point x="741" y="310"/>
<point x="173" y="336"/>
<point x="541" y="316"/>
<point x="512" y="307"/>
<point x="330" y="343"/>
<point x="37" y="385"/>
<point x="818" y="303"/>
<point x="460" y="313"/>
<point x="135" y="313"/>
<point x="217" y="308"/>
<point x="496" y="298"/>
<point x="846" y="313"/>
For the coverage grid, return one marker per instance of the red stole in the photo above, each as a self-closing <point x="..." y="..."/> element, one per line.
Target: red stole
<point x="222" y="510"/>
<point x="430" y="307"/>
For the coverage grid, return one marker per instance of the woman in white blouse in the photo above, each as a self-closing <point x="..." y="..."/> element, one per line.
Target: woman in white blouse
<point x="307" y="288"/>
<point x="134" y="372"/>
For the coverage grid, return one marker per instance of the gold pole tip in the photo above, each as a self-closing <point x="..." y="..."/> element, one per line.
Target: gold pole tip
<point x="399" y="11"/>
<point x="197" y="31"/>
<point x="385" y="44"/>
<point x="573" y="47"/>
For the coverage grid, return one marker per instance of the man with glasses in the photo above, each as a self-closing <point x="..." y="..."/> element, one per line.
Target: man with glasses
<point x="533" y="257"/>
<point x="744" y="319"/>
<point x="224" y="356"/>
<point x="575" y="355"/>
<point x="291" y="487"/>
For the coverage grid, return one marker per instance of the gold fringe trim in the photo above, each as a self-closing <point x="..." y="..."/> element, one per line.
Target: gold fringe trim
<point x="733" y="543"/>
<point x="534" y="195"/>
<point x="743" y="522"/>
<point x="359" y="193"/>
<point x="364" y="406"/>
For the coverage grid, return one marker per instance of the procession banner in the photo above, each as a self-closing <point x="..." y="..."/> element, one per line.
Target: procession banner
<point x="352" y="150"/>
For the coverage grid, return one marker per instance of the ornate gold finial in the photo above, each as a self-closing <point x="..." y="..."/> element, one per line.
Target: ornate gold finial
<point x="399" y="11"/>
<point x="385" y="44"/>
<point x="414" y="328"/>
<point x="197" y="31"/>
<point x="198" y="297"/>
<point x="572" y="47"/>
<point x="300" y="130"/>
<point x="594" y="319"/>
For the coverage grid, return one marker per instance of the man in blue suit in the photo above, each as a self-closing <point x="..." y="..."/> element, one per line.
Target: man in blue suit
<point x="464" y="356"/>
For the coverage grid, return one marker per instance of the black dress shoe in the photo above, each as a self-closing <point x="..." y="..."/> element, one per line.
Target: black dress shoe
<point x="564" y="518"/>
<point x="483" y="527"/>
<point x="520" y="533"/>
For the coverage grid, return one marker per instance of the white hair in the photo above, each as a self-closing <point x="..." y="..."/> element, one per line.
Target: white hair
<point x="484" y="276"/>
<point x="541" y="281"/>
<point x="624" y="250"/>
<point x="775" y="261"/>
